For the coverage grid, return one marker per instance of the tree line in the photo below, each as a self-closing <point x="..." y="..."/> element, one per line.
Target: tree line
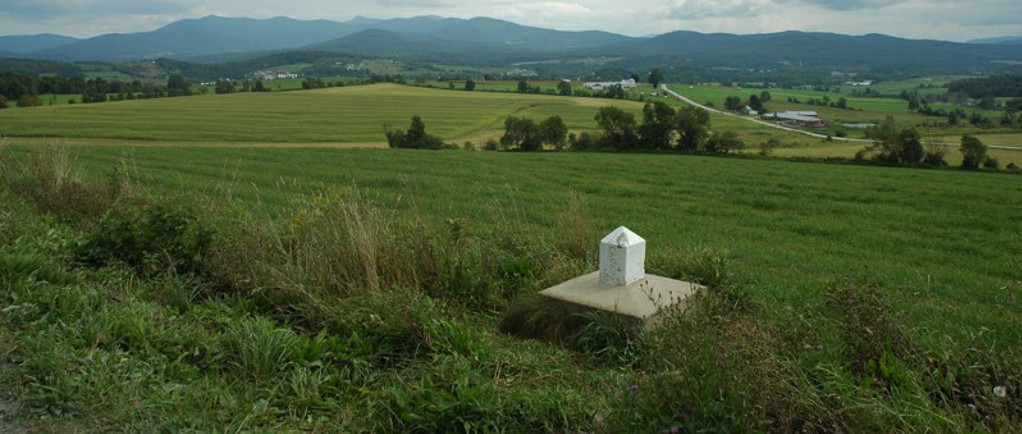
<point x="663" y="128"/>
<point x="1004" y="85"/>
<point x="26" y="90"/>
<point x="904" y="147"/>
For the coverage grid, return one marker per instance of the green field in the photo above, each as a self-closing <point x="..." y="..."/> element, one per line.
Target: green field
<point x="341" y="116"/>
<point x="279" y="351"/>
<point x="355" y="114"/>
<point x="861" y="109"/>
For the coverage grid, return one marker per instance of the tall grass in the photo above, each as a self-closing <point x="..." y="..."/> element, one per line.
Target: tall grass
<point x="52" y="178"/>
<point x="353" y="311"/>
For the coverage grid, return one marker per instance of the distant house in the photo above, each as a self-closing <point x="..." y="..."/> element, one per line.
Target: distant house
<point x="799" y="118"/>
<point x="857" y="126"/>
<point x="749" y="111"/>
<point x="274" y="75"/>
<point x="859" y="83"/>
<point x="600" y="85"/>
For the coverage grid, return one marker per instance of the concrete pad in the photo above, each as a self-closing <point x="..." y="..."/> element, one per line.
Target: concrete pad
<point x="641" y="299"/>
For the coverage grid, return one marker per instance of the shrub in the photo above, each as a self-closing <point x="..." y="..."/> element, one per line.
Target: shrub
<point x="154" y="240"/>
<point x="992" y="163"/>
<point x="934" y="155"/>
<point x="874" y="339"/>
<point x="767" y="147"/>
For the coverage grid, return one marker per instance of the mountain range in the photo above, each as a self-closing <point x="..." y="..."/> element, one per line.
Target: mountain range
<point x="488" y="41"/>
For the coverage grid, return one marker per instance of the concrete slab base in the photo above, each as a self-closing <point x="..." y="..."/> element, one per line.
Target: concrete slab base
<point x="641" y="299"/>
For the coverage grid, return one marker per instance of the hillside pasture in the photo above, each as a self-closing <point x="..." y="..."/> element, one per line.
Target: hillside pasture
<point x="818" y="273"/>
<point x="788" y="225"/>
<point x="355" y="114"/>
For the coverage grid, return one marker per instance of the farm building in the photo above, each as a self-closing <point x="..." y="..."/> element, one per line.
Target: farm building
<point x="858" y="126"/>
<point x="600" y="85"/>
<point x="800" y="118"/>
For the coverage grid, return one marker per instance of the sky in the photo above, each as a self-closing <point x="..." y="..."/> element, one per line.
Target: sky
<point x="950" y="20"/>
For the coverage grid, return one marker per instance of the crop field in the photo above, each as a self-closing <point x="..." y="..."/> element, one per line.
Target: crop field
<point x="818" y="273"/>
<point x="346" y="114"/>
<point x="775" y="217"/>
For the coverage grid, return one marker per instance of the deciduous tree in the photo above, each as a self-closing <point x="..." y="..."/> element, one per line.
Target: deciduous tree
<point x="521" y="133"/>
<point x="618" y="127"/>
<point x="655" y="77"/>
<point x="659" y="123"/>
<point x="693" y="126"/>
<point x="973" y="151"/>
<point x="553" y="132"/>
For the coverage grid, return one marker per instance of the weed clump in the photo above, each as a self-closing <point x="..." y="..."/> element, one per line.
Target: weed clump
<point x="51" y="179"/>
<point x="154" y="240"/>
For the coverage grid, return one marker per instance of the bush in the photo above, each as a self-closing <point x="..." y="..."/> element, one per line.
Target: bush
<point x="934" y="156"/>
<point x="154" y="240"/>
<point x="992" y="163"/>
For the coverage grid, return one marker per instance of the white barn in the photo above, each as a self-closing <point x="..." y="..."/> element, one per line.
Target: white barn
<point x="600" y="85"/>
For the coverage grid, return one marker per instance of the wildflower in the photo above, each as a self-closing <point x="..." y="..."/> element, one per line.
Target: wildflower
<point x="672" y="430"/>
<point x="808" y="347"/>
<point x="1000" y="391"/>
<point x="633" y="387"/>
<point x="819" y="347"/>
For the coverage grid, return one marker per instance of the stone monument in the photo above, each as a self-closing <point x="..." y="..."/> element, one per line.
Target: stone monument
<point x="622" y="285"/>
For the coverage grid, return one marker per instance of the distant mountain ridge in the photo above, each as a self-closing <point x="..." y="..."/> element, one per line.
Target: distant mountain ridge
<point x="491" y="41"/>
<point x="1003" y="40"/>
<point x="29" y="43"/>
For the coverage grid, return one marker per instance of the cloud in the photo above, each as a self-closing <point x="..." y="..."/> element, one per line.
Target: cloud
<point x="42" y="9"/>
<point x="700" y="9"/>
<point x="851" y="5"/>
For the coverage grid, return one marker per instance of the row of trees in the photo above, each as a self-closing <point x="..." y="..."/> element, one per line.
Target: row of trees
<point x="1007" y="85"/>
<point x="894" y="146"/>
<point x="662" y="129"/>
<point x="223" y="86"/>
<point x="528" y="135"/>
<point x="26" y="89"/>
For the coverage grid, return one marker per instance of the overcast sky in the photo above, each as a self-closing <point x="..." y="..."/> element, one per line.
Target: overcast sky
<point x="953" y="20"/>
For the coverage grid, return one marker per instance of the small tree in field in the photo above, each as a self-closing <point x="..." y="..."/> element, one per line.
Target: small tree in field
<point x="521" y="133"/>
<point x="973" y="152"/>
<point x="470" y="84"/>
<point x="554" y="132"/>
<point x="655" y="77"/>
<point x="415" y="138"/>
<point x="693" y="128"/>
<point x="618" y="127"/>
<point x="724" y="143"/>
<point x="564" y="88"/>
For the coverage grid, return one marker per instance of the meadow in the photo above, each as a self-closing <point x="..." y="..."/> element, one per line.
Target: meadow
<point x="860" y="109"/>
<point x="841" y="296"/>
<point x="206" y="264"/>
<point x="354" y="114"/>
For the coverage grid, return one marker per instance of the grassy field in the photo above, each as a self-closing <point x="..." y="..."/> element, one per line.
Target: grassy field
<point x="843" y="297"/>
<point x="348" y="114"/>
<point x="861" y="110"/>
<point x="773" y="215"/>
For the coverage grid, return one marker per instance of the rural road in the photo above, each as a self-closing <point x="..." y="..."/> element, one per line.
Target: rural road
<point x="796" y="130"/>
<point x="758" y="121"/>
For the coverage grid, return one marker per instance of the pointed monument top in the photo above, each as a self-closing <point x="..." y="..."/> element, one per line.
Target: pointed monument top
<point x="622" y="237"/>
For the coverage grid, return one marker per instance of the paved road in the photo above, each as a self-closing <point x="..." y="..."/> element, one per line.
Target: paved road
<point x="796" y="130"/>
